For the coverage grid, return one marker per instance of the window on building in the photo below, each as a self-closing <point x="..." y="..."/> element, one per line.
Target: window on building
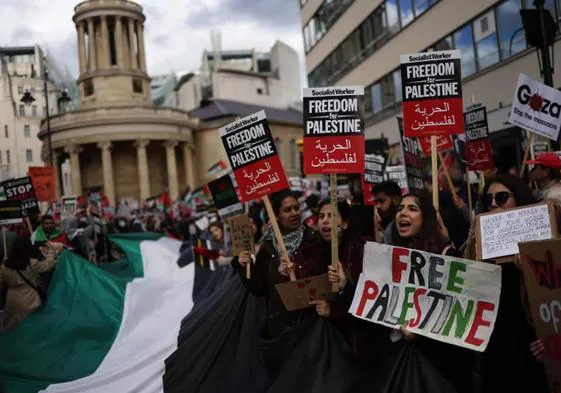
<point x="379" y="23"/>
<point x="137" y="85"/>
<point x="22" y="110"/>
<point x="376" y="93"/>
<point x="28" y="155"/>
<point x="27" y="131"/>
<point x="388" y="93"/>
<point x="278" y="144"/>
<point x="8" y="158"/>
<point x="463" y="40"/>
<point x="406" y="12"/>
<point x="485" y="36"/>
<point x="392" y="15"/>
<point x="550" y="5"/>
<point x="396" y="76"/>
<point x="420" y="6"/>
<point x="88" y="87"/>
<point x="34" y="110"/>
<point x="444" y="44"/>
<point x="366" y="35"/>
<point x="5" y="131"/>
<point x="368" y="101"/>
<point x="20" y="89"/>
<point x="511" y="39"/>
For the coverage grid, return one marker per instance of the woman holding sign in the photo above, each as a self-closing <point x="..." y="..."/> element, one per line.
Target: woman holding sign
<point x="418" y="226"/>
<point x="507" y="364"/>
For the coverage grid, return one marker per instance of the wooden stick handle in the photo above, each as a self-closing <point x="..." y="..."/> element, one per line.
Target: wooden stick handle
<point x="434" y="162"/>
<point x="334" y="237"/>
<point x="248" y="271"/>
<point x="526" y="153"/>
<point x="448" y="178"/>
<point x="277" y="232"/>
<point x="470" y="200"/>
<point x="5" y="242"/>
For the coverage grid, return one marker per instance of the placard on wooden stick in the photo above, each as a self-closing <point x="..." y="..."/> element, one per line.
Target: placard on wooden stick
<point x="242" y="237"/>
<point x="297" y="295"/>
<point x="498" y="234"/>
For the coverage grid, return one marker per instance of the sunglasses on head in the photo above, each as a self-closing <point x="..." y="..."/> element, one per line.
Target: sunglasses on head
<point x="500" y="198"/>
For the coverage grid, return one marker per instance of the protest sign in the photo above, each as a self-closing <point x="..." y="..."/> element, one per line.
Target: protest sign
<point x="44" y="182"/>
<point x="10" y="212"/>
<point x="541" y="264"/>
<point x="68" y="207"/>
<point x="412" y="159"/>
<point x="478" y="150"/>
<point x="396" y="173"/>
<point x="334" y="130"/>
<point x="498" y="234"/>
<point x="536" y="107"/>
<point x="444" y="298"/>
<point x="432" y="93"/>
<point x="373" y="174"/>
<point x="443" y="142"/>
<point x="253" y="157"/>
<point x="225" y="198"/>
<point x="297" y="295"/>
<point x="241" y="234"/>
<point x="21" y="190"/>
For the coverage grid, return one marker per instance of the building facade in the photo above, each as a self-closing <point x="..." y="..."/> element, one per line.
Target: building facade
<point x="119" y="143"/>
<point x="21" y="71"/>
<point x="359" y="42"/>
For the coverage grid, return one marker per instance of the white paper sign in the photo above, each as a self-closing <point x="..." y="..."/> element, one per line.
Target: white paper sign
<point x="536" y="107"/>
<point x="444" y="298"/>
<point x="501" y="232"/>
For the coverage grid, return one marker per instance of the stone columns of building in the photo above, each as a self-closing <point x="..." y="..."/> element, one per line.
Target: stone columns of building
<point x="173" y="187"/>
<point x="124" y="45"/>
<point x="74" y="152"/>
<point x="106" y="58"/>
<point x="143" y="179"/>
<point x="188" y="162"/>
<point x="119" y="41"/>
<point x="81" y="47"/>
<point x="132" y="47"/>
<point x="140" y="36"/>
<point x="91" y="46"/>
<point x="56" y="170"/>
<point x="107" y="164"/>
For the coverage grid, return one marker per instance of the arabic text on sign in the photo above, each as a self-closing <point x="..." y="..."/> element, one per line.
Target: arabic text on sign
<point x="333" y="105"/>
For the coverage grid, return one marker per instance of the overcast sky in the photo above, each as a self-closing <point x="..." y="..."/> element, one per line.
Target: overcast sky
<point x="176" y="31"/>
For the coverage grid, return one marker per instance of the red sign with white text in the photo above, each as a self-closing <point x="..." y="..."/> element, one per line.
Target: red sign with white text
<point x="334" y="130"/>
<point x="478" y="148"/>
<point x="253" y="157"/>
<point x="443" y="142"/>
<point x="432" y="93"/>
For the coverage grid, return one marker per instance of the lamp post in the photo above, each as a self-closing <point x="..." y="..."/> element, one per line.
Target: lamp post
<point x="28" y="99"/>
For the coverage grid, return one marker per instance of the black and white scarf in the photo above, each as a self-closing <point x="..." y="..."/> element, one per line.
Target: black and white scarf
<point x="292" y="240"/>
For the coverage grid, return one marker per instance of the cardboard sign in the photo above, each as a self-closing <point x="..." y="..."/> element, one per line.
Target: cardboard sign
<point x="334" y="130"/>
<point x="225" y="198"/>
<point x="21" y="190"/>
<point x="536" y="107"/>
<point x="443" y="298"/>
<point x="297" y="295"/>
<point x="478" y="150"/>
<point x="68" y="207"/>
<point x="413" y="160"/>
<point x="373" y="174"/>
<point x="10" y="212"/>
<point x="443" y="142"/>
<point x="541" y="264"/>
<point x="241" y="234"/>
<point x="397" y="174"/>
<point x="498" y="234"/>
<point x="44" y="182"/>
<point x="253" y="157"/>
<point x="432" y="93"/>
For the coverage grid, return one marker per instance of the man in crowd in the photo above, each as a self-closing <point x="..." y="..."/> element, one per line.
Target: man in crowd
<point x="387" y="197"/>
<point x="48" y="231"/>
<point x="546" y="173"/>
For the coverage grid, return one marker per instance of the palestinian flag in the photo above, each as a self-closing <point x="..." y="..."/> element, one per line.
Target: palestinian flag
<point x="103" y="328"/>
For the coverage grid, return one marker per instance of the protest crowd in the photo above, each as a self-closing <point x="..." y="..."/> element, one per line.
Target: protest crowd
<point x="305" y="285"/>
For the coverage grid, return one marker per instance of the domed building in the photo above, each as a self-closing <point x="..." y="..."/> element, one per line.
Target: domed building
<point x="118" y="142"/>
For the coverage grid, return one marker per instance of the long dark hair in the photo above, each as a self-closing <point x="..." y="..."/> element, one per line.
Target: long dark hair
<point x="19" y="254"/>
<point x="429" y="238"/>
<point x="522" y="193"/>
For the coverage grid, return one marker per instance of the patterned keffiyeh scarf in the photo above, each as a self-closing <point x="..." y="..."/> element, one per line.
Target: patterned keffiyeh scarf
<point x="292" y="240"/>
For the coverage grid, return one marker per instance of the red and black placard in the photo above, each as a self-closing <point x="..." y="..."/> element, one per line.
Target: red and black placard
<point x="478" y="149"/>
<point x="334" y="130"/>
<point x="253" y="157"/>
<point x="21" y="190"/>
<point x="443" y="142"/>
<point x="412" y="159"/>
<point x="373" y="174"/>
<point x="225" y="197"/>
<point x="432" y="93"/>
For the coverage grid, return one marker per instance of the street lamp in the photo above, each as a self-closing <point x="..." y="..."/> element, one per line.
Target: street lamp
<point x="64" y="98"/>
